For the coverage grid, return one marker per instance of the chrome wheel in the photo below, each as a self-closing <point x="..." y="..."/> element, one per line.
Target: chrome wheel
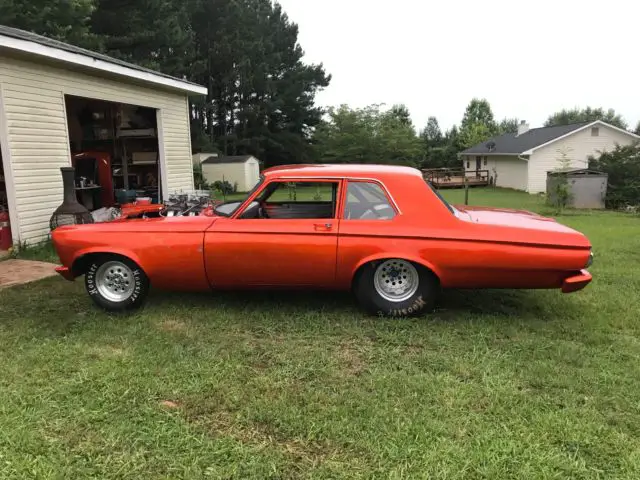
<point x="114" y="281"/>
<point x="396" y="280"/>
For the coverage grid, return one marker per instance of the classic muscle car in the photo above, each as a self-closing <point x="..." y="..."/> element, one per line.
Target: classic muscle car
<point x="381" y="231"/>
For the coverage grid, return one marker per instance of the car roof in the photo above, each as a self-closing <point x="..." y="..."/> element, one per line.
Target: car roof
<point x="340" y="170"/>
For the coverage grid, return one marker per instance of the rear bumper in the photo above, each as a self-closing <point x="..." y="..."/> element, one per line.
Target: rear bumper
<point x="576" y="282"/>
<point x="65" y="273"/>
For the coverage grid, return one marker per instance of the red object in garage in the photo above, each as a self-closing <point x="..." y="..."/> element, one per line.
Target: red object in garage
<point x="105" y="178"/>
<point x="5" y="231"/>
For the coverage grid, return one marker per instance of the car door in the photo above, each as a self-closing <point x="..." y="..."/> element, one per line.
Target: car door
<point x="293" y="241"/>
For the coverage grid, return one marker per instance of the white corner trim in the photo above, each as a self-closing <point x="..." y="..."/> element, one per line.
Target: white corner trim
<point x="188" y="112"/>
<point x="162" y="158"/>
<point x="584" y="127"/>
<point x="97" y="64"/>
<point x="5" y="151"/>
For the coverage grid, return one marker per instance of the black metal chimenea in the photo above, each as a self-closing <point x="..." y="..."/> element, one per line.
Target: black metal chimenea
<point x="70" y="212"/>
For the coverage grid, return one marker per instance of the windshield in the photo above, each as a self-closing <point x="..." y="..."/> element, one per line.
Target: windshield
<point x="228" y="208"/>
<point x="441" y="198"/>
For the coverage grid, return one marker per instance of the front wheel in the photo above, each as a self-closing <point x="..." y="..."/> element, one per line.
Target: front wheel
<point x="395" y="288"/>
<point x="116" y="283"/>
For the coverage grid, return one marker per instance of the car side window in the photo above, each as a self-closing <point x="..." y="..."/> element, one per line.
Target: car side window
<point x="295" y="200"/>
<point x="367" y="201"/>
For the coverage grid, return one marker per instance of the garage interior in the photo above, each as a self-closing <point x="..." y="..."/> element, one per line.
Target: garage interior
<point x="4" y="207"/>
<point x="5" y="232"/>
<point x="115" y="152"/>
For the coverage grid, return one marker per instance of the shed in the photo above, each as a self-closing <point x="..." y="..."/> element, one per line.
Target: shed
<point x="198" y="158"/>
<point x="587" y="188"/>
<point x="122" y="126"/>
<point x="242" y="171"/>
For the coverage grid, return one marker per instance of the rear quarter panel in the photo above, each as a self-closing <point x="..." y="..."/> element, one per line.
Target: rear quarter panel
<point x="463" y="263"/>
<point x="462" y="254"/>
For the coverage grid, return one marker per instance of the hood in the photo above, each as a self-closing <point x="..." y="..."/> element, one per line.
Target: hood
<point x="553" y="231"/>
<point x="198" y="223"/>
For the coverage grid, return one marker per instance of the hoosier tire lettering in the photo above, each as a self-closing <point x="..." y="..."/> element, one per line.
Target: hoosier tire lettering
<point x="91" y="280"/>
<point x="122" y="285"/>
<point x="421" y="301"/>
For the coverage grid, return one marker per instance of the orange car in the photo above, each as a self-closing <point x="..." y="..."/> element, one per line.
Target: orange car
<point x="381" y="231"/>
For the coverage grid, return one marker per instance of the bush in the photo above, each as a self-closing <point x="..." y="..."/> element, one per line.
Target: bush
<point x="223" y="187"/>
<point x="622" y="165"/>
<point x="559" y="193"/>
<point x="198" y="178"/>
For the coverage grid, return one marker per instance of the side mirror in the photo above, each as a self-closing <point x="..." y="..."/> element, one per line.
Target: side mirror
<point x="226" y="209"/>
<point x="252" y="211"/>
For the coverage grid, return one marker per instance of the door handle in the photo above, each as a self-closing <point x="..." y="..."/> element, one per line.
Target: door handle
<point x="322" y="227"/>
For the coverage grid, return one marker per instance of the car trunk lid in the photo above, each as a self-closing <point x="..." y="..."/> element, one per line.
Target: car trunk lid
<point x="524" y="220"/>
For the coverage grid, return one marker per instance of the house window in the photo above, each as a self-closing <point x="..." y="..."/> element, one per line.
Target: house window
<point x="595" y="131"/>
<point x="367" y="201"/>
<point x="485" y="161"/>
<point x="468" y="164"/>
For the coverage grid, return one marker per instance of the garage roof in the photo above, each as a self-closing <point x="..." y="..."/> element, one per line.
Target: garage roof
<point x="228" y="159"/>
<point x="31" y="43"/>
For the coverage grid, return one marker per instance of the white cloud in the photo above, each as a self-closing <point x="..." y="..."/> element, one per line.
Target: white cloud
<point x="528" y="59"/>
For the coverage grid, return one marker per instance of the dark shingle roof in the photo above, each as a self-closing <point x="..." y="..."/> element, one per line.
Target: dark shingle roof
<point x="511" y="143"/>
<point x="229" y="159"/>
<point x="49" y="42"/>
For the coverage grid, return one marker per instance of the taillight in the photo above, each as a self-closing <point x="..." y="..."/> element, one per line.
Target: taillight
<point x="590" y="261"/>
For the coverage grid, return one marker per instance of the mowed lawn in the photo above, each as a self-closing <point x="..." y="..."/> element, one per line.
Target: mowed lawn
<point x="494" y="384"/>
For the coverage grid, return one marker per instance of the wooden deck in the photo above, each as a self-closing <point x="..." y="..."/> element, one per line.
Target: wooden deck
<point x="448" y="178"/>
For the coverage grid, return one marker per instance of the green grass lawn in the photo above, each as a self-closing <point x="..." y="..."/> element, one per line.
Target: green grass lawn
<point x="494" y="384"/>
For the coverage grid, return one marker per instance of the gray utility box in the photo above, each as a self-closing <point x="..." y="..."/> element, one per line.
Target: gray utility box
<point x="587" y="188"/>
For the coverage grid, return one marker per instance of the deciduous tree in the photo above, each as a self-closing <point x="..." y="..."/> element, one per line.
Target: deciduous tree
<point x="367" y="135"/>
<point x="508" y="125"/>
<point x="587" y="114"/>
<point x="622" y="165"/>
<point x="477" y="124"/>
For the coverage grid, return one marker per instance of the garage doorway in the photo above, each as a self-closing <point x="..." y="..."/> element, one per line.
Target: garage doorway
<point x="6" y="240"/>
<point x="115" y="151"/>
<point x="5" y="236"/>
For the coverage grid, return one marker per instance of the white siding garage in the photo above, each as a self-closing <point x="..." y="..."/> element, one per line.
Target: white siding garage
<point x="35" y="76"/>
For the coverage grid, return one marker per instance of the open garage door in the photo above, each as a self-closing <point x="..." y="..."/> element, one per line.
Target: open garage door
<point x="115" y="152"/>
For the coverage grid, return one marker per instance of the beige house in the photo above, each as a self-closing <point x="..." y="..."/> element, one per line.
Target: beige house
<point x="243" y="171"/>
<point x="522" y="160"/>
<point x="60" y="104"/>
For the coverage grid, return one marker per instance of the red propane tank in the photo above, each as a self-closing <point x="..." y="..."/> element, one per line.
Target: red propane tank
<point x="5" y="231"/>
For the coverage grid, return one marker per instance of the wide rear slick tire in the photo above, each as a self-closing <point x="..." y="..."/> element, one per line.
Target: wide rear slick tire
<point x="116" y="283"/>
<point x="387" y="288"/>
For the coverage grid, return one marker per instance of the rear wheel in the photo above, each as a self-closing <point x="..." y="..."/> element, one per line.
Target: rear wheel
<point x="116" y="283"/>
<point x="396" y="288"/>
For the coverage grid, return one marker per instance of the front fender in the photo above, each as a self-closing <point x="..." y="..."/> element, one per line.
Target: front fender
<point x="102" y="250"/>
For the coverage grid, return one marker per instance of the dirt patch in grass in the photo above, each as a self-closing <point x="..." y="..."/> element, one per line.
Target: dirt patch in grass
<point x="261" y="435"/>
<point x="352" y="358"/>
<point x="106" y="351"/>
<point x="172" y="325"/>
